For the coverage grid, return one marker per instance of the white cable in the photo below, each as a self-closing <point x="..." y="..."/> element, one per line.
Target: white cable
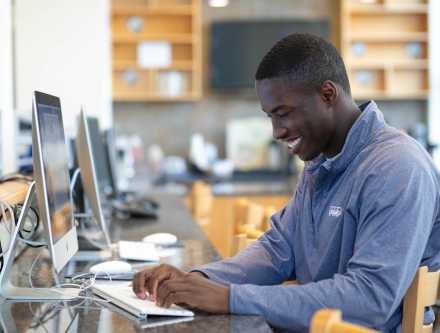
<point x="11" y="229"/>
<point x="35" y="316"/>
<point x="81" y="287"/>
<point x="12" y="218"/>
<point x="74" y="177"/>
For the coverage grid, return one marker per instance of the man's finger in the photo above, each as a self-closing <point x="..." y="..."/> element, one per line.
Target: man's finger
<point x="177" y="298"/>
<point x="140" y="282"/>
<point x="160" y="276"/>
<point x="170" y="286"/>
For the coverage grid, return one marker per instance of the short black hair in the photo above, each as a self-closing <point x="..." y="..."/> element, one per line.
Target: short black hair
<point x="304" y="61"/>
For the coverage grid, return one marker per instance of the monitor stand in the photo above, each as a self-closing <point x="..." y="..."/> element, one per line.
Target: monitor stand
<point x="8" y="290"/>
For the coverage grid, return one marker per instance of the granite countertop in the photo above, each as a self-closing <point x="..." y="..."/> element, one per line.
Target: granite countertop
<point x="91" y="316"/>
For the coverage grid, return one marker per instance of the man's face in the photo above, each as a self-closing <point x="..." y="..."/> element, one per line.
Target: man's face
<point x="301" y="120"/>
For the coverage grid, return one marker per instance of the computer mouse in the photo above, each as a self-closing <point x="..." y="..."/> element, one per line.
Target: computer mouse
<point x="111" y="267"/>
<point x="160" y="239"/>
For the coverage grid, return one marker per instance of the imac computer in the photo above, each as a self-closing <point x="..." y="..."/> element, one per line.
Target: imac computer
<point x="105" y="177"/>
<point x="102" y="169"/>
<point x="137" y="207"/>
<point x="89" y="178"/>
<point x="52" y="185"/>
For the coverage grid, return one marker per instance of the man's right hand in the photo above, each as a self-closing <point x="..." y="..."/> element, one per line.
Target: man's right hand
<point x="149" y="279"/>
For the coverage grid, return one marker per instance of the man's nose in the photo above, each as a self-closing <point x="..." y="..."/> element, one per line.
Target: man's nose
<point x="278" y="132"/>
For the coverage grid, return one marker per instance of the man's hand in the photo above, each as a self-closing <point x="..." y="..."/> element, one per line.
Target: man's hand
<point x="150" y="278"/>
<point x="169" y="285"/>
<point x="196" y="291"/>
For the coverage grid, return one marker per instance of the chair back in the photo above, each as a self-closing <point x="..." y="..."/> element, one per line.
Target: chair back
<point x="422" y="292"/>
<point x="202" y="202"/>
<point x="330" y="321"/>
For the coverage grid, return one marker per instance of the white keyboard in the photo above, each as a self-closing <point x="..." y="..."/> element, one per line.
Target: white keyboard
<point x="137" y="251"/>
<point x="124" y="297"/>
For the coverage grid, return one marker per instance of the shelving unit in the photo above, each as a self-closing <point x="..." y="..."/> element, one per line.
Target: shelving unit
<point x="384" y="45"/>
<point x="173" y="22"/>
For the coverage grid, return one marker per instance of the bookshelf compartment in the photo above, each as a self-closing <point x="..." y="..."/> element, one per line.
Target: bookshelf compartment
<point x="388" y="23"/>
<point x="154" y="24"/>
<point x="174" y="84"/>
<point x="411" y="80"/>
<point x="389" y="51"/>
<point x="121" y="84"/>
<point x="127" y="53"/>
<point x="367" y="80"/>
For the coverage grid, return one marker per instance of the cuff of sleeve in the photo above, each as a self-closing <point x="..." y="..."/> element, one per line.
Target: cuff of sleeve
<point x="240" y="299"/>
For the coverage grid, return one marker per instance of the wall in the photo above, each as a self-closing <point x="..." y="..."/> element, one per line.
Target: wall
<point x="63" y="48"/>
<point x="171" y="124"/>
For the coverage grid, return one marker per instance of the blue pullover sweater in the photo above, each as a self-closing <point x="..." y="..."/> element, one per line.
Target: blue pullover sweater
<point x="354" y="234"/>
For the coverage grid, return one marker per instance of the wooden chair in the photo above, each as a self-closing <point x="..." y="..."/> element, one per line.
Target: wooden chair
<point x="202" y="201"/>
<point x="422" y="292"/>
<point x="330" y="321"/>
<point x="250" y="215"/>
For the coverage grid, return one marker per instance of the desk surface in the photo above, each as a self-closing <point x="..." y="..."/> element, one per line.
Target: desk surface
<point x="18" y="317"/>
<point x="13" y="191"/>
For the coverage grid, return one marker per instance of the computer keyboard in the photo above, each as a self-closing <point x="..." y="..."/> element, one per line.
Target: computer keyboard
<point x="137" y="251"/>
<point x="124" y="297"/>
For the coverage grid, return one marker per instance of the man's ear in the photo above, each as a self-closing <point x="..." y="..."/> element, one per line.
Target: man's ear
<point x="329" y="93"/>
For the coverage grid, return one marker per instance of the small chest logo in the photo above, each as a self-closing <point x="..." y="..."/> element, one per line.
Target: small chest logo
<point x="335" y="211"/>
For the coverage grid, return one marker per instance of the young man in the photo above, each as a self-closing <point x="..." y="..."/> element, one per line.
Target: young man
<point x="365" y="214"/>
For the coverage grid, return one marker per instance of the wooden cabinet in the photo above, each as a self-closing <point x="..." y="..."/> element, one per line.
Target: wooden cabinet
<point x="384" y="45"/>
<point x="175" y="26"/>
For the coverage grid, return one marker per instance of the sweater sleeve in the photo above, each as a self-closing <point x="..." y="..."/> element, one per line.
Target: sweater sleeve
<point x="396" y="213"/>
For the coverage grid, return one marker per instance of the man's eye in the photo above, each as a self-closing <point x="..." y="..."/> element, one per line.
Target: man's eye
<point x="283" y="115"/>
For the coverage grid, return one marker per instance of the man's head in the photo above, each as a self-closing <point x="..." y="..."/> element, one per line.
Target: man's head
<point x="304" y="61"/>
<point x="303" y="87"/>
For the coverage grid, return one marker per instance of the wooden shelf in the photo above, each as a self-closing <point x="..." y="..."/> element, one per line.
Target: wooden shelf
<point x="132" y="38"/>
<point x="163" y="9"/>
<point x="385" y="36"/>
<point x="124" y="96"/>
<point x="398" y="63"/>
<point x="176" y="64"/>
<point x="171" y="21"/>
<point x="381" y="9"/>
<point x="385" y="48"/>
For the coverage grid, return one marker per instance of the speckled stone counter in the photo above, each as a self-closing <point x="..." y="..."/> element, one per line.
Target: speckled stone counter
<point x="90" y="316"/>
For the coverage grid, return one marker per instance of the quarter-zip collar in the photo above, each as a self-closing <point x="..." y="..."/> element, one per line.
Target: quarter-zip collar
<point x="365" y="127"/>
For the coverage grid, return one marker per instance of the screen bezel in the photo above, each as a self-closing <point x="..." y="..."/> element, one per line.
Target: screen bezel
<point x="65" y="248"/>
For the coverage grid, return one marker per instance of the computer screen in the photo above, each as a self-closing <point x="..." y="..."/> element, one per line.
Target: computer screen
<point x="52" y="179"/>
<point x="99" y="157"/>
<point x="110" y="149"/>
<point x="88" y="172"/>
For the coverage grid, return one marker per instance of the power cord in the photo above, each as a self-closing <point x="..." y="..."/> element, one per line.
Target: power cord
<point x="14" y="213"/>
<point x="15" y="177"/>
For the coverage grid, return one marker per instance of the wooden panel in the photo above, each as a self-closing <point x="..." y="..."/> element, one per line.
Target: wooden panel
<point x="410" y="80"/>
<point x="389" y="23"/>
<point x="359" y="2"/>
